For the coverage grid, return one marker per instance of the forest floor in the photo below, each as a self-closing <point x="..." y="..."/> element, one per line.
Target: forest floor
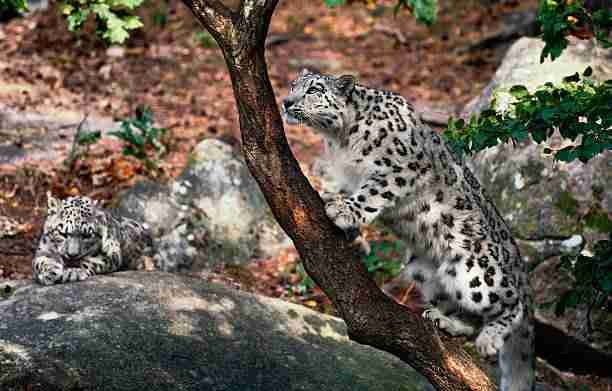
<point x="176" y="69"/>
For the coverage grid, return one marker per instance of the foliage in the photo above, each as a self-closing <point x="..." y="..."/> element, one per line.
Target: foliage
<point x="306" y="282"/>
<point x="141" y="137"/>
<point x="593" y="277"/>
<point x="383" y="261"/>
<point x="8" y="6"/>
<point x="88" y="138"/>
<point x="113" y="17"/>
<point x="579" y="108"/>
<point x="160" y="15"/>
<point x="560" y="18"/>
<point x="425" y="11"/>
<point x="205" y="39"/>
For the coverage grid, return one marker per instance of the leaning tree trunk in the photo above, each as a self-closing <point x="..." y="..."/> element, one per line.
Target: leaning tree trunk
<point x="371" y="317"/>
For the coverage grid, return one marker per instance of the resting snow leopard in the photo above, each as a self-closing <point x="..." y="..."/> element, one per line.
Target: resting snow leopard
<point x="387" y="163"/>
<point x="80" y="239"/>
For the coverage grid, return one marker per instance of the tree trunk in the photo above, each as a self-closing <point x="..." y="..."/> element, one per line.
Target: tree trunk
<point x="329" y="258"/>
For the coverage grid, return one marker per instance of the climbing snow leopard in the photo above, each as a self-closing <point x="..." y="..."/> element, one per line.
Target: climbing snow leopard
<point x="80" y="239"/>
<point x="387" y="163"/>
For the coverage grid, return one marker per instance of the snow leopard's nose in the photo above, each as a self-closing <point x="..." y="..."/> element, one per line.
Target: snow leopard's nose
<point x="73" y="249"/>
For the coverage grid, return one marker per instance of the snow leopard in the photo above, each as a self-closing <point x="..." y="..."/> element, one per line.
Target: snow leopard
<point x="387" y="164"/>
<point x="81" y="239"/>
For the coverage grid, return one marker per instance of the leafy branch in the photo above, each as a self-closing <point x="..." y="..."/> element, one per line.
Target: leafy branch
<point x="17" y="6"/>
<point x="113" y="17"/>
<point x="558" y="19"/>
<point x="593" y="279"/>
<point x="580" y="108"/>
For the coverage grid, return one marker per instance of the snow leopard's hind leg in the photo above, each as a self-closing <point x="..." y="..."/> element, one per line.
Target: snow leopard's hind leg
<point x="421" y="271"/>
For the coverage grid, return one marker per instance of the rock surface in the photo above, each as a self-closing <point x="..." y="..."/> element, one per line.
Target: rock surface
<point x="521" y="65"/>
<point x="552" y="207"/>
<point x="159" y="331"/>
<point x="212" y="213"/>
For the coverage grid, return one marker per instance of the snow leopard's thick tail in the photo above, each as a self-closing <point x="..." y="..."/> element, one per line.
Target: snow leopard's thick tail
<point x="517" y="358"/>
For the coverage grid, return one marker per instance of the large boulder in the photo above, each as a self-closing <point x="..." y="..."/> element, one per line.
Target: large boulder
<point x="161" y="331"/>
<point x="552" y="207"/>
<point x="212" y="213"/>
<point x="521" y="65"/>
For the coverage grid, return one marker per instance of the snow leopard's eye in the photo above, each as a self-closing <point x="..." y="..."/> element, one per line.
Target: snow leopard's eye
<point x="59" y="237"/>
<point x="314" y="90"/>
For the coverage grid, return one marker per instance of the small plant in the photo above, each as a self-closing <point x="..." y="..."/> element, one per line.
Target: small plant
<point x="593" y="279"/>
<point x="81" y="143"/>
<point x="142" y="139"/>
<point x="383" y="261"/>
<point x="306" y="283"/>
<point x="205" y="39"/>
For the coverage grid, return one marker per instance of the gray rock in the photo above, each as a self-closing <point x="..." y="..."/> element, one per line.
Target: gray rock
<point x="159" y="331"/>
<point x="212" y="213"/>
<point x="521" y="65"/>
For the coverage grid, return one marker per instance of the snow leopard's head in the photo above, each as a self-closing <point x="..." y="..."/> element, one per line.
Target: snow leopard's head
<point x="319" y="101"/>
<point x="71" y="229"/>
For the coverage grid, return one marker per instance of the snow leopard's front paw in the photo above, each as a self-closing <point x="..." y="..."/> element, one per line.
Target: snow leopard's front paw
<point x="489" y="342"/>
<point x="341" y="214"/>
<point x="450" y="325"/>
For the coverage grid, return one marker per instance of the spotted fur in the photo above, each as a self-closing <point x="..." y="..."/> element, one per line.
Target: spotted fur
<point x="387" y="164"/>
<point x="80" y="239"/>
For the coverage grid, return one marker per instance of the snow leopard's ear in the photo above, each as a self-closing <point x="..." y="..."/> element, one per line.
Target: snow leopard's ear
<point x="54" y="205"/>
<point x="305" y="71"/>
<point x="344" y="84"/>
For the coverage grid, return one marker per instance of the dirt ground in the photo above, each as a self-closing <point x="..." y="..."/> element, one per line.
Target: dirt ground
<point x="177" y="70"/>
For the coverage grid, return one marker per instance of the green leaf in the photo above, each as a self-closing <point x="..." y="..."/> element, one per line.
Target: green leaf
<point x="459" y="124"/>
<point x="566" y="154"/>
<point x="76" y="19"/>
<point x="86" y="138"/>
<point x="573" y="78"/>
<point x="425" y="11"/>
<point x="568" y="300"/>
<point x="519" y="91"/>
<point x="334" y="3"/>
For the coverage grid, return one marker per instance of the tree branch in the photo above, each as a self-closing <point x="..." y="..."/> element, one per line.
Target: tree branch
<point x="330" y="259"/>
<point x="214" y="16"/>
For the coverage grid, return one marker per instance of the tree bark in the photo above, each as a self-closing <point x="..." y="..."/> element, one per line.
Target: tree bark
<point x="329" y="258"/>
